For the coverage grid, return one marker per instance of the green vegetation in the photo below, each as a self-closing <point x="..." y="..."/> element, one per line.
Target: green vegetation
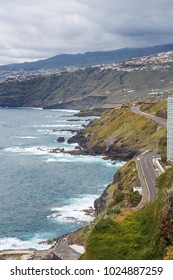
<point x="123" y="129"/>
<point x="84" y="88"/>
<point x="121" y="192"/>
<point x="92" y="112"/>
<point x="137" y="236"/>
<point x="158" y="109"/>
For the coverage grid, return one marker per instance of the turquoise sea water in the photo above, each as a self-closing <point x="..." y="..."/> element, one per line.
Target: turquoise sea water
<point x="43" y="195"/>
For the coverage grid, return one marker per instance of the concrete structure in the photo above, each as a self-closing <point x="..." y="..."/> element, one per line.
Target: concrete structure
<point x="170" y="129"/>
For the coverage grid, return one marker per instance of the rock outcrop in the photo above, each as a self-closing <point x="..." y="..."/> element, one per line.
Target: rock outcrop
<point x="61" y="139"/>
<point x="166" y="224"/>
<point x="162" y="113"/>
<point x="113" y="152"/>
<point x="101" y="203"/>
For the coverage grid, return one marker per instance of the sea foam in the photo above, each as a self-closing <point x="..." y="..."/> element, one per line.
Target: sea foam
<point x="29" y="150"/>
<point x="13" y="243"/>
<point x="77" y="211"/>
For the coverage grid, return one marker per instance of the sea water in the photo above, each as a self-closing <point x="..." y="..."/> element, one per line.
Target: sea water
<point x="43" y="194"/>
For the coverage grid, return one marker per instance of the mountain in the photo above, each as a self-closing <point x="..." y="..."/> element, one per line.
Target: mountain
<point x="103" y="86"/>
<point x="87" y="59"/>
<point x="84" y="88"/>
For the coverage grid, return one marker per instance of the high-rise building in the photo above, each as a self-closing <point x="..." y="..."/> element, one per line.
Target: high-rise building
<point x="170" y="129"/>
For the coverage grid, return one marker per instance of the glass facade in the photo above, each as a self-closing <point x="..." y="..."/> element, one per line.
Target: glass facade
<point x="170" y="129"/>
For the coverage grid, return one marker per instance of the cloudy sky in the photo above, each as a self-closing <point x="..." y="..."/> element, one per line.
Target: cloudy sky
<point x="38" y="29"/>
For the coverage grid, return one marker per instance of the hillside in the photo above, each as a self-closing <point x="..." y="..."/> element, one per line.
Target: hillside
<point x="120" y="134"/>
<point x="142" y="234"/>
<point x="120" y="231"/>
<point x="83" y="89"/>
<point x="87" y="59"/>
<point x="158" y="109"/>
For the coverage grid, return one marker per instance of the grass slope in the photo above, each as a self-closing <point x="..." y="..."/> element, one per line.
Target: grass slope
<point x="122" y="128"/>
<point x="135" y="237"/>
<point x="158" y="109"/>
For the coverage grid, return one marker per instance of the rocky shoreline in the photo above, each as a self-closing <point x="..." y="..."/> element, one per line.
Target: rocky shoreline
<point x="62" y="246"/>
<point x="66" y="247"/>
<point x="112" y="152"/>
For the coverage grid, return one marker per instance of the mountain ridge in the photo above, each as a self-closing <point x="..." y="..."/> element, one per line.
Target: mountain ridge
<point x="87" y="59"/>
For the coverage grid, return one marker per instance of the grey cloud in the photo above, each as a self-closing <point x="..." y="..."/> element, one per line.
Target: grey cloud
<point x="35" y="29"/>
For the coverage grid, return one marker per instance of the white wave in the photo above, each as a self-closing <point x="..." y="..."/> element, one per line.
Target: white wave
<point x="76" y="211"/>
<point x="23" y="137"/>
<point x="30" y="150"/>
<point x="51" y="160"/>
<point x="58" y="132"/>
<point x="14" y="243"/>
<point x="64" y="110"/>
<point x="57" y="125"/>
<point x="115" y="164"/>
<point x="64" y="133"/>
<point x="42" y="150"/>
<point x="61" y="157"/>
<point x="88" y="159"/>
<point x="57" y="160"/>
<point x="29" y="108"/>
<point x="56" y="121"/>
<point x="119" y="164"/>
<point x="65" y="157"/>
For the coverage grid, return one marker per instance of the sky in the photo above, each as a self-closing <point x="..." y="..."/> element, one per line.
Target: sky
<point x="37" y="29"/>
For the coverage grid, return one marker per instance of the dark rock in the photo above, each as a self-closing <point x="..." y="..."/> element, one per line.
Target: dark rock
<point x="56" y="150"/>
<point x="77" y="148"/>
<point x="162" y="113"/>
<point x="166" y="222"/>
<point x="89" y="212"/>
<point x="101" y="203"/>
<point x="113" y="152"/>
<point x="61" y="139"/>
<point x="78" y="138"/>
<point x="74" y="120"/>
<point x="120" y="153"/>
<point x="69" y="130"/>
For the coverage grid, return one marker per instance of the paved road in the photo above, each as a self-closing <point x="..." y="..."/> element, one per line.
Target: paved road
<point x="160" y="121"/>
<point x="148" y="175"/>
<point x="147" y="170"/>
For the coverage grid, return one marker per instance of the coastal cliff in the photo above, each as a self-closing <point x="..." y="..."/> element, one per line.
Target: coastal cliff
<point x="119" y="135"/>
<point x="135" y="234"/>
<point x="120" y="231"/>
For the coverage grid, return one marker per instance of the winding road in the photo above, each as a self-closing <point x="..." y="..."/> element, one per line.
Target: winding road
<point x="147" y="174"/>
<point x="135" y="109"/>
<point x="147" y="167"/>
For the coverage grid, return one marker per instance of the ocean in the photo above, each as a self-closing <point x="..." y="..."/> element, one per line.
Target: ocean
<point x="43" y="194"/>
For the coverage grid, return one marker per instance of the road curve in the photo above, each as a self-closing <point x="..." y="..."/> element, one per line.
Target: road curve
<point x="161" y="121"/>
<point x="146" y="169"/>
<point x="147" y="175"/>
